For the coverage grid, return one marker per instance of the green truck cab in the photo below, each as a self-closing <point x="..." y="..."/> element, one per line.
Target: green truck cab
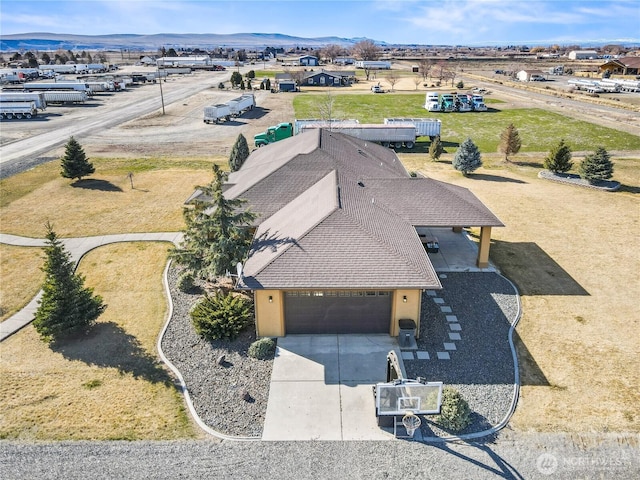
<point x="273" y="134"/>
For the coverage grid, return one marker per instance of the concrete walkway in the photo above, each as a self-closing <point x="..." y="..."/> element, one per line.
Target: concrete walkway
<point x="321" y="387"/>
<point x="77" y="247"/>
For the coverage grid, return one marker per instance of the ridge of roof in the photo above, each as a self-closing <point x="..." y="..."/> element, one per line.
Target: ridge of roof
<point x="264" y="161"/>
<point x="285" y="227"/>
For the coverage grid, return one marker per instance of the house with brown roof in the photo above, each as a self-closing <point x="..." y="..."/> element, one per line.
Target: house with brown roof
<point x="621" y="66"/>
<point x="336" y="247"/>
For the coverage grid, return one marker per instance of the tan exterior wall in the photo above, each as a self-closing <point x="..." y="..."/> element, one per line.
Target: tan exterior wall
<point x="483" y="248"/>
<point x="269" y="314"/>
<point x="409" y="309"/>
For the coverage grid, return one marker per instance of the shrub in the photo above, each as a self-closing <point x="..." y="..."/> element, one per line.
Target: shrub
<point x="460" y="85"/>
<point x="559" y="158"/>
<point x="597" y="166"/>
<point x="467" y="157"/>
<point x="221" y="316"/>
<point x="186" y="282"/>
<point x="455" y="414"/>
<point x="262" y="349"/>
<point x="436" y="149"/>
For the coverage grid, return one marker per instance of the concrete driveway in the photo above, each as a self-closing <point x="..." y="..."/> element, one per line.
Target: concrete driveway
<point x="321" y="387"/>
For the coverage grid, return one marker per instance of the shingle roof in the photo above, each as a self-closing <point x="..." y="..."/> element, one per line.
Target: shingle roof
<point x="338" y="212"/>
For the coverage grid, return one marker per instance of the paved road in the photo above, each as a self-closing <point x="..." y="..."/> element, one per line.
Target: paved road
<point x="530" y="456"/>
<point x="20" y="155"/>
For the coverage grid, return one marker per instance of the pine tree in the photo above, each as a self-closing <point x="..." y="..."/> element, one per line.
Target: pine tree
<point x="559" y="158"/>
<point x="467" y="157"/>
<point x="216" y="235"/>
<point x="74" y="162"/>
<point x="239" y="153"/>
<point x="597" y="166"/>
<point x="436" y="149"/>
<point x="66" y="306"/>
<point x="510" y="142"/>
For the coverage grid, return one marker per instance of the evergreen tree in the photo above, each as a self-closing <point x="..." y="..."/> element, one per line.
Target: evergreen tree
<point x="239" y="153"/>
<point x="597" y="166"/>
<point x="236" y="79"/>
<point x="510" y="142"/>
<point x="74" y="162"/>
<point x="436" y="149"/>
<point x="66" y="306"/>
<point x="559" y="158"/>
<point x="467" y="157"/>
<point x="242" y="87"/>
<point x="267" y="84"/>
<point x="217" y="234"/>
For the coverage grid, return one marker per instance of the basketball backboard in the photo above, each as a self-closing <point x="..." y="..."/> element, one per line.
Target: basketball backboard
<point x="402" y="396"/>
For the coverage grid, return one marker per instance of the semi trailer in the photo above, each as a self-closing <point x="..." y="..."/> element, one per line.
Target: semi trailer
<point x="217" y="113"/>
<point x="425" y="127"/>
<point x="18" y="110"/>
<point x="37" y="97"/>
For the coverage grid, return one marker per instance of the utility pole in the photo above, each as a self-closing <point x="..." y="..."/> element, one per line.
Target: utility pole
<point x="160" y="82"/>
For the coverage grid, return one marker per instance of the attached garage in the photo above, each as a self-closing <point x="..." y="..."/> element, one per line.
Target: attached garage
<point x="337" y="311"/>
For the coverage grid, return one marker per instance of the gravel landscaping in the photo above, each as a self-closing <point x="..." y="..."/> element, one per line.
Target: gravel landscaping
<point x="230" y="396"/>
<point x="573" y="179"/>
<point x="481" y="367"/>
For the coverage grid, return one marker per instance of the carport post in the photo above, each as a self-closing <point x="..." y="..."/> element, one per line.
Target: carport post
<point x="483" y="249"/>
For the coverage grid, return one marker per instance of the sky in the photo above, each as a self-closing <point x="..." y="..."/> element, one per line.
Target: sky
<point x="431" y="22"/>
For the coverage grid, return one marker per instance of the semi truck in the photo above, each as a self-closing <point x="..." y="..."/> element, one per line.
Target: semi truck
<point x="447" y="102"/>
<point x="432" y="102"/>
<point x="425" y="127"/>
<point x="395" y="135"/>
<point x="462" y="103"/>
<point x="477" y="103"/>
<point x="37" y="97"/>
<point x="19" y="110"/>
<point x="241" y="104"/>
<point x="216" y="113"/>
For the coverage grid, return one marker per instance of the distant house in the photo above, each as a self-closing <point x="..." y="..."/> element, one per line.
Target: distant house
<point x="582" y="54"/>
<point x="322" y="78"/>
<point x="147" y="60"/>
<point x="308" y="61"/>
<point x="325" y="78"/>
<point x="621" y="66"/>
<point x="531" y="75"/>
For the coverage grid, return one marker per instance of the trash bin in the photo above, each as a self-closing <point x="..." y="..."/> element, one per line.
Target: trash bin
<point x="406" y="332"/>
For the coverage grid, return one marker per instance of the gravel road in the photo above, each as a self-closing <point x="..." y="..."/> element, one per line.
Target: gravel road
<point x="531" y="456"/>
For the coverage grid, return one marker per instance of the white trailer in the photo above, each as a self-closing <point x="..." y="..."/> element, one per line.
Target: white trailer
<point x="373" y="65"/>
<point x="301" y="124"/>
<point x="216" y="113"/>
<point x="395" y="135"/>
<point x="241" y="104"/>
<point x="42" y="86"/>
<point x="37" y="97"/>
<point x="425" y="127"/>
<point x="101" y="86"/>
<point x="19" y="110"/>
<point x="59" y="97"/>
<point x="58" y="68"/>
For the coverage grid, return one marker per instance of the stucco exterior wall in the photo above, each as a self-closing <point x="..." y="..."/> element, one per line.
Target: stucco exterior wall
<point x="269" y="313"/>
<point x="409" y="309"/>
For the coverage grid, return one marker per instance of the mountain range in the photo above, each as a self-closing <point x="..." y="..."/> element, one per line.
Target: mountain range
<point x="54" y="41"/>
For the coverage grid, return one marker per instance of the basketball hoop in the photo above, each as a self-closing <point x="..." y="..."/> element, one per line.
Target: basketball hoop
<point x="411" y="423"/>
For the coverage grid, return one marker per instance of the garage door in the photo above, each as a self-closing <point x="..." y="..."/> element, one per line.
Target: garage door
<point x="337" y="311"/>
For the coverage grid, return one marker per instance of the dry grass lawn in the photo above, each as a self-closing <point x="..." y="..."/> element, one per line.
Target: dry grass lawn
<point x="109" y="385"/>
<point x="573" y="253"/>
<point x="20" y="277"/>
<point x="102" y="204"/>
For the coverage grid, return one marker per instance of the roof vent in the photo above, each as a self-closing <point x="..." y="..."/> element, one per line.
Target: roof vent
<point x="360" y="183"/>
